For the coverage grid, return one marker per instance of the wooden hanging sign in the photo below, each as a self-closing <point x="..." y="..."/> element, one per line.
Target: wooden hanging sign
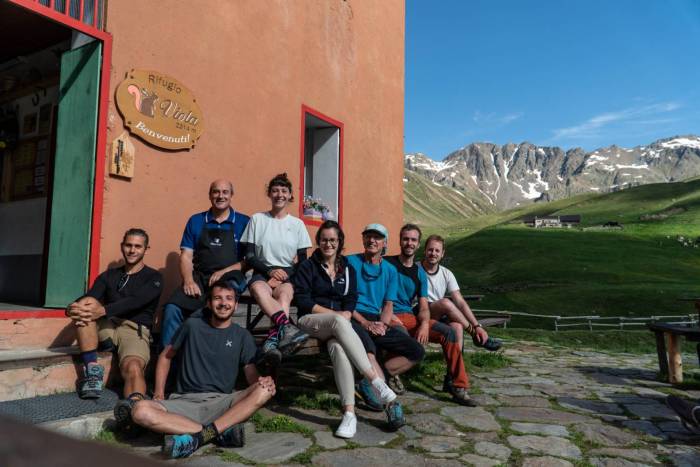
<point x="122" y="156"/>
<point x="159" y="109"/>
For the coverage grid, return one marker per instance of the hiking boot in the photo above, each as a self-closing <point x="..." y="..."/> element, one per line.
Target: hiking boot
<point x="461" y="396"/>
<point x="368" y="394"/>
<point x="394" y="415"/>
<point x="396" y="385"/>
<point x="491" y="344"/>
<point x="290" y="339"/>
<point x="232" y="437"/>
<point x="348" y="426"/>
<point x="386" y="394"/>
<point x="122" y="413"/>
<point x="91" y="385"/>
<point x="176" y="446"/>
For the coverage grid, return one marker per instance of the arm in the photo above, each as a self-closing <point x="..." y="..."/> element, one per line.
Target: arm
<point x="251" y="374"/>
<point x="255" y="262"/>
<point x="162" y="369"/>
<point x="86" y="309"/>
<point x="189" y="286"/>
<point x="423" y="321"/>
<point x="477" y="331"/>
<point x="147" y="293"/>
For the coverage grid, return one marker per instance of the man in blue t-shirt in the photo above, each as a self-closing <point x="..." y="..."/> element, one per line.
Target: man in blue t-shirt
<point x="411" y="311"/>
<point x="209" y="349"/>
<point x="210" y="250"/>
<point x="376" y="290"/>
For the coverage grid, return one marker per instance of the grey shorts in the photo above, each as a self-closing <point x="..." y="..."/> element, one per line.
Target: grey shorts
<point x="202" y="407"/>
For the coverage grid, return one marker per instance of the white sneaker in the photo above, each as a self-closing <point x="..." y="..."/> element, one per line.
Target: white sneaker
<point x="348" y="426"/>
<point x="386" y="394"/>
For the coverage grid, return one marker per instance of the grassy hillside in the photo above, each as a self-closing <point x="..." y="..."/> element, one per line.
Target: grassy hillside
<point x="640" y="270"/>
<point x="431" y="205"/>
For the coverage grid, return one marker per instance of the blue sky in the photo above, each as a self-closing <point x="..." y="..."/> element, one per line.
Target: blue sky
<point x="566" y="73"/>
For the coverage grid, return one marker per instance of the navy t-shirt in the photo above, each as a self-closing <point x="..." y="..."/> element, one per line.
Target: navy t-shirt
<point x="208" y="359"/>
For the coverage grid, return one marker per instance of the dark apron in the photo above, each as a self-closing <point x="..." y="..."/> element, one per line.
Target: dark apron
<point x="215" y="250"/>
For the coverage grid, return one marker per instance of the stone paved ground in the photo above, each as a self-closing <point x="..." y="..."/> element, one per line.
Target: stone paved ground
<point x="550" y="407"/>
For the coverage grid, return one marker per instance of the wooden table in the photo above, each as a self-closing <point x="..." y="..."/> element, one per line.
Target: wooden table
<point x="670" y="362"/>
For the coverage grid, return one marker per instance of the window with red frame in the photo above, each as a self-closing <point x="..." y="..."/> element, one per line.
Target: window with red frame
<point x="321" y="173"/>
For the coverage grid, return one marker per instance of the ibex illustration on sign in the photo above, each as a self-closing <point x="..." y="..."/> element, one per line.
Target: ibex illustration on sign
<point x="144" y="101"/>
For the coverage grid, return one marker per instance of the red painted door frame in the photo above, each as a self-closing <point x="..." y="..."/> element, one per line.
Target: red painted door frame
<point x="308" y="110"/>
<point x="96" y="228"/>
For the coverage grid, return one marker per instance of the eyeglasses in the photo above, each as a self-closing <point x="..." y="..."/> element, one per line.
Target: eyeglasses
<point x="329" y="241"/>
<point x="123" y="280"/>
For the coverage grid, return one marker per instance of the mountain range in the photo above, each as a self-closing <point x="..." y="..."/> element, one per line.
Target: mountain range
<point x="485" y="177"/>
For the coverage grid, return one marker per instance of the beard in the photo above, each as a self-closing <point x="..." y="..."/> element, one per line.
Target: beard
<point x="221" y="314"/>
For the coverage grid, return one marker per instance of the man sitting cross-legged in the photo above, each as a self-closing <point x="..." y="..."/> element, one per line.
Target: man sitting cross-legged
<point x="209" y="348"/>
<point x="446" y="301"/>
<point x="412" y="287"/>
<point x="118" y="311"/>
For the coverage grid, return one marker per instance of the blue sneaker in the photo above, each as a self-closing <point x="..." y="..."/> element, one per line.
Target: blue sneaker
<point x="91" y="385"/>
<point x="368" y="394"/>
<point x="394" y="415"/>
<point x="232" y="437"/>
<point x="177" y="446"/>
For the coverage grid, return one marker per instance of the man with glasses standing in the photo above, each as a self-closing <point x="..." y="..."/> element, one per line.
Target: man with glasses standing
<point x="118" y="312"/>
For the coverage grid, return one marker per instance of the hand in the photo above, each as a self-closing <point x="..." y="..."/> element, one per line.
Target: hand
<point x="279" y="274"/>
<point x="158" y="396"/>
<point x="216" y="276"/>
<point x="395" y="321"/>
<point x="267" y="383"/>
<point x="346" y="314"/>
<point x="273" y="283"/>
<point x="422" y="333"/>
<point x="191" y="289"/>
<point x="481" y="335"/>
<point x="377" y="328"/>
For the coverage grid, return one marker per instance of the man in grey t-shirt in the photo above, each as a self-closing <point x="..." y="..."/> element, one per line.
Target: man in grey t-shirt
<point x="209" y="350"/>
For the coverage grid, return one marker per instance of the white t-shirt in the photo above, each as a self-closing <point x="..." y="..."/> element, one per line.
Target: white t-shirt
<point x="276" y="240"/>
<point x="440" y="284"/>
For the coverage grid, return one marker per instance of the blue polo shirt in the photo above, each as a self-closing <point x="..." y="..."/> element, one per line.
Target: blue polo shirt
<point x="376" y="284"/>
<point x="236" y="221"/>
<point x="412" y="285"/>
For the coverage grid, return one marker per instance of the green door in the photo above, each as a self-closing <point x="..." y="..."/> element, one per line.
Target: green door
<point x="74" y="175"/>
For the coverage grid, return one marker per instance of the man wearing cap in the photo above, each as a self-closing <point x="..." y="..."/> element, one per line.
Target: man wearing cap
<point x="210" y="250"/>
<point x="377" y="282"/>
<point x="412" y="312"/>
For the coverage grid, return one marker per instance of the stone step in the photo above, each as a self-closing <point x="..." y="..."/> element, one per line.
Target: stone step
<point x="26" y="373"/>
<point x="34" y="333"/>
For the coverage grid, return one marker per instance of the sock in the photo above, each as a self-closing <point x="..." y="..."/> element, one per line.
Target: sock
<point x="279" y="319"/>
<point x="208" y="434"/>
<point x="89" y="357"/>
<point x="377" y="381"/>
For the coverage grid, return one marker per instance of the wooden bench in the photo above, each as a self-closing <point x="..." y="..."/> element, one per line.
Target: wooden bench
<point x="670" y="362"/>
<point x="313" y="346"/>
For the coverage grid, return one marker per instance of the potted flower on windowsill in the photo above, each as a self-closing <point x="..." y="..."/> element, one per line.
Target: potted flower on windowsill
<point x="316" y="209"/>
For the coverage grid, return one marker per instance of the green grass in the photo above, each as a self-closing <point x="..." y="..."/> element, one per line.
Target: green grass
<point x="641" y="270"/>
<point x="107" y="436"/>
<point x="431" y="371"/>
<point x="277" y="424"/>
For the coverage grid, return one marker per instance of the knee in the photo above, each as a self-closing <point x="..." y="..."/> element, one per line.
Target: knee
<point x="143" y="414"/>
<point x="131" y="369"/>
<point x="335" y="350"/>
<point x="340" y="323"/>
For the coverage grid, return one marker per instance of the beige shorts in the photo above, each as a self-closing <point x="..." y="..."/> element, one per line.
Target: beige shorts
<point x="125" y="336"/>
<point x="201" y="407"/>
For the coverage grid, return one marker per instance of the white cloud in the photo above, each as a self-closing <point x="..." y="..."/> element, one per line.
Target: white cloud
<point x="592" y="127"/>
<point x="492" y="118"/>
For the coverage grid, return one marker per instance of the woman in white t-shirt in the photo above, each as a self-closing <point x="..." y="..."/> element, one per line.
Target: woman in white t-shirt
<point x="276" y="243"/>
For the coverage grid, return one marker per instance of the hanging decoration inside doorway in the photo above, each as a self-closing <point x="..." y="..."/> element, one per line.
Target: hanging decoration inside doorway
<point x="159" y="109"/>
<point x="122" y="156"/>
